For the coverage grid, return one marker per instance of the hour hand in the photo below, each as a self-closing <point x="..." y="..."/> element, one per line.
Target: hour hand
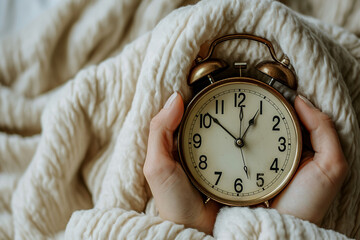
<point x="251" y="122"/>
<point x="218" y="123"/>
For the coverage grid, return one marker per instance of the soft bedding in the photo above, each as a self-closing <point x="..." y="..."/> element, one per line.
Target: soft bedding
<point x="80" y="84"/>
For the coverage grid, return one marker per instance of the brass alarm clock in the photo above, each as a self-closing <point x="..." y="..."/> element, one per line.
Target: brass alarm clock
<point x="240" y="140"/>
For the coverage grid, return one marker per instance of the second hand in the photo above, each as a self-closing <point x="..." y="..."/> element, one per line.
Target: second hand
<point x="245" y="167"/>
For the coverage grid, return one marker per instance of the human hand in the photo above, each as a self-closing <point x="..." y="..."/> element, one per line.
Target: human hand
<point x="321" y="173"/>
<point x="176" y="199"/>
<point x="308" y="196"/>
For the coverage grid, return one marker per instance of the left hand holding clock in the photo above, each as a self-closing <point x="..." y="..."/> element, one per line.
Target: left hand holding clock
<point x="308" y="196"/>
<point x="176" y="199"/>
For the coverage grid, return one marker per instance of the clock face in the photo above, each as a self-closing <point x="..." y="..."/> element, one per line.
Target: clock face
<point x="240" y="141"/>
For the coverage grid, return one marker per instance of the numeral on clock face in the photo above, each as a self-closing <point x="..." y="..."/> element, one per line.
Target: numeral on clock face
<point x="219" y="176"/>
<point x="276" y="119"/>
<point x="239" y="98"/>
<point x="219" y="106"/>
<point x="238" y="185"/>
<point x="205" y="120"/>
<point x="202" y="162"/>
<point x="259" y="179"/>
<point x="197" y="140"/>
<point x="274" y="165"/>
<point x="282" y="146"/>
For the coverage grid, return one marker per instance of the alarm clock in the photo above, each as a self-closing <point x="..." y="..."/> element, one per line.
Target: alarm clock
<point x="240" y="140"/>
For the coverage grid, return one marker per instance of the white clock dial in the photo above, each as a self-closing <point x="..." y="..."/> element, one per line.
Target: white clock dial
<point x="240" y="142"/>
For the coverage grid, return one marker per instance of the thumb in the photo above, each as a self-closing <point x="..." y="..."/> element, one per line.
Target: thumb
<point x="160" y="142"/>
<point x="163" y="125"/>
<point x="324" y="139"/>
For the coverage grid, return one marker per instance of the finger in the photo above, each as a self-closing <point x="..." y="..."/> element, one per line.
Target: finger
<point x="324" y="139"/>
<point x="163" y="125"/>
<point x="160" y="143"/>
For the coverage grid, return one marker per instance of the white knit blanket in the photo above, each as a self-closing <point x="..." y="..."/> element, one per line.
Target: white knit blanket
<point x="79" y="86"/>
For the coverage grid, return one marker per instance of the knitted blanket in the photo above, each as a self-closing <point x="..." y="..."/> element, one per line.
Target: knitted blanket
<point x="79" y="86"/>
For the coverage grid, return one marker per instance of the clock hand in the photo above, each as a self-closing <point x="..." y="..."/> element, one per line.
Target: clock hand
<point x="218" y="123"/>
<point x="245" y="167"/>
<point x="241" y="116"/>
<point x="251" y="122"/>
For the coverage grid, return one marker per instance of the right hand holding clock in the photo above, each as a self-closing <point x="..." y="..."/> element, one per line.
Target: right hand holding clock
<point x="308" y="196"/>
<point x="320" y="174"/>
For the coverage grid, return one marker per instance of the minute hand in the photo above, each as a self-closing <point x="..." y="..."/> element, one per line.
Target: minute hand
<point x="251" y="122"/>
<point x="218" y="123"/>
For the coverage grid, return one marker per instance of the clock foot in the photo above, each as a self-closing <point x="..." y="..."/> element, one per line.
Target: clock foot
<point x="206" y="200"/>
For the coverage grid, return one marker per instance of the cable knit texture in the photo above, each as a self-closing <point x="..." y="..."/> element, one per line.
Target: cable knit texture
<point x="79" y="86"/>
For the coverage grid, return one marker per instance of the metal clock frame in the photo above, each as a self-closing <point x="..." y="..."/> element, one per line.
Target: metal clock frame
<point x="291" y="112"/>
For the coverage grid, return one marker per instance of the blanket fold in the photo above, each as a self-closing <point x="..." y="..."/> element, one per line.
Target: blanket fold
<point x="79" y="87"/>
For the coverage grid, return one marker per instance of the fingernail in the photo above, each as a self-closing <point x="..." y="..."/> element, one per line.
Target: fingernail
<point x="306" y="101"/>
<point x="170" y="100"/>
